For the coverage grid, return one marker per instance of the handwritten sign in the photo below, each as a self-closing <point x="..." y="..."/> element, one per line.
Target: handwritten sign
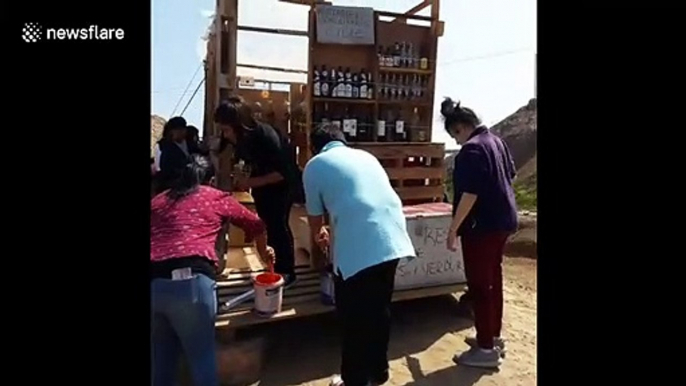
<point x="345" y="25"/>
<point x="434" y="264"/>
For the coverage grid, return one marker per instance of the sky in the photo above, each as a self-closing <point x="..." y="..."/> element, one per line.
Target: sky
<point x="486" y="57"/>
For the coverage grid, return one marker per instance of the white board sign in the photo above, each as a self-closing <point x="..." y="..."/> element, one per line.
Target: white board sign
<point x="246" y="81"/>
<point x="345" y="25"/>
<point x="434" y="264"/>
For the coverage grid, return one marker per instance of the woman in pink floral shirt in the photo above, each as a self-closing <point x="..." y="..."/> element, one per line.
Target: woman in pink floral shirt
<point x="184" y="223"/>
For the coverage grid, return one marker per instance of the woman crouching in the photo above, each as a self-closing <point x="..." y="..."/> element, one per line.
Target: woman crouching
<point x="184" y="223"/>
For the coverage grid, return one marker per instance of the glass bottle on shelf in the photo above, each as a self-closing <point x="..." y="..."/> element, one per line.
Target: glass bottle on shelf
<point x="316" y="85"/>
<point x="381" y="129"/>
<point x="370" y="86"/>
<point x="348" y="83"/>
<point x="325" y="82"/>
<point x="363" y="84"/>
<point x="400" y="134"/>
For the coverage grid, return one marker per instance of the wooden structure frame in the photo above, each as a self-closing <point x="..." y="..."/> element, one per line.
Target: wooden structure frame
<point x="222" y="80"/>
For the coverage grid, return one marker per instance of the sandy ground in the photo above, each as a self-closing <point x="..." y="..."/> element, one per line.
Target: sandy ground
<point x="426" y="335"/>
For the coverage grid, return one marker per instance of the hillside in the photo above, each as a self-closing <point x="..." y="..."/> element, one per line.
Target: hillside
<point x="156" y="127"/>
<point x="519" y="132"/>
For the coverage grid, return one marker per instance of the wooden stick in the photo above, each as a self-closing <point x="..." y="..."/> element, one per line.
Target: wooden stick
<point x="413" y="11"/>
<point x="277" y="31"/>
<point x="270" y="68"/>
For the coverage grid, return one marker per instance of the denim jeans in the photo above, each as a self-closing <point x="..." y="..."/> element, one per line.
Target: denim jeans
<point x="183" y="317"/>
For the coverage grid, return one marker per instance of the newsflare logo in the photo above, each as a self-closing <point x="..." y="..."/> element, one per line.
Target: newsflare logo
<point x="34" y="32"/>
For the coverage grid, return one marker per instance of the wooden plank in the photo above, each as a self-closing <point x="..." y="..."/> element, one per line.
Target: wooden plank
<point x="404" y="150"/>
<point x="277" y="31"/>
<point x="415" y="173"/>
<point x="309" y="305"/>
<point x="271" y="68"/>
<point x="413" y="11"/>
<point x="403" y="16"/>
<point x="420" y="192"/>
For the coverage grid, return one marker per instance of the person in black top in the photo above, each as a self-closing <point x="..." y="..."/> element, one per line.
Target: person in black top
<point x="174" y="152"/>
<point x="273" y="175"/>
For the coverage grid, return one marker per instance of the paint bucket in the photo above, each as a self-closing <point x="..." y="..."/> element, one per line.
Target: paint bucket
<point x="268" y="293"/>
<point x="327" y="287"/>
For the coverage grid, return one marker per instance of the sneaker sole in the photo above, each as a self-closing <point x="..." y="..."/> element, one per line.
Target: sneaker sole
<point x="481" y="365"/>
<point x="501" y="350"/>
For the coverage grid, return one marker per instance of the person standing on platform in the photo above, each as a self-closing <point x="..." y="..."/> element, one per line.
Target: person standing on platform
<point x="184" y="223"/>
<point x="484" y="216"/>
<point x="369" y="236"/>
<point x="272" y="175"/>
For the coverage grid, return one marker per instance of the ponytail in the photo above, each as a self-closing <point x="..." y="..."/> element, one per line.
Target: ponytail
<point x="453" y="114"/>
<point x="198" y="171"/>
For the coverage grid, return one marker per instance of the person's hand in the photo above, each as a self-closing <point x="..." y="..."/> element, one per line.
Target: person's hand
<point x="242" y="183"/>
<point x="451" y="242"/>
<point x="323" y="239"/>
<point x="268" y="256"/>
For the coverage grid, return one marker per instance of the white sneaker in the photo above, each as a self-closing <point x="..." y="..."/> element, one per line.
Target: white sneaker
<point x="336" y="380"/>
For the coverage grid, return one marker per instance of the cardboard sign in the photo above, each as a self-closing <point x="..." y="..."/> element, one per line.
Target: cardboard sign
<point x="345" y="25"/>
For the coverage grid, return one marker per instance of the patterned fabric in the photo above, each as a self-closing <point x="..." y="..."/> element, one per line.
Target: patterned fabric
<point x="189" y="226"/>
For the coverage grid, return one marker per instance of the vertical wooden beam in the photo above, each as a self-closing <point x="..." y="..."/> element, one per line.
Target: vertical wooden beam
<point x="310" y="74"/>
<point x="231" y="15"/>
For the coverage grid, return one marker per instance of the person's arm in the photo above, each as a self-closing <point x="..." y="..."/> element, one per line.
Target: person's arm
<point x="468" y="174"/>
<point x="313" y="201"/>
<point x="509" y="161"/>
<point x="242" y="217"/>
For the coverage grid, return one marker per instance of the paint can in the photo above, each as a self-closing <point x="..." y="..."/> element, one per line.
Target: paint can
<point x="268" y="293"/>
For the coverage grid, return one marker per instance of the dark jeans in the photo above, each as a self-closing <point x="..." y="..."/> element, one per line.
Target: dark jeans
<point x="183" y="317"/>
<point x="275" y="210"/>
<point x="363" y="303"/>
<point x="483" y="259"/>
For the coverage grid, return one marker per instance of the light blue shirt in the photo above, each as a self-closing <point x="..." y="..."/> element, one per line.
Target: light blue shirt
<point x="366" y="214"/>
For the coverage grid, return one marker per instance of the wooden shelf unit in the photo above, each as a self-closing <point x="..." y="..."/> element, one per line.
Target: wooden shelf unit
<point x="414" y="165"/>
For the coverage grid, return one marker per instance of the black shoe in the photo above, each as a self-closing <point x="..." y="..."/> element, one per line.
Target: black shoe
<point x="380" y="379"/>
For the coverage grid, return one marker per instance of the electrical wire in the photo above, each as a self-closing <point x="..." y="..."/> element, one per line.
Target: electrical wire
<point x="186" y="90"/>
<point x="192" y="96"/>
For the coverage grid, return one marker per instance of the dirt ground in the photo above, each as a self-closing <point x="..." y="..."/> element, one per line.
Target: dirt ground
<point x="426" y="334"/>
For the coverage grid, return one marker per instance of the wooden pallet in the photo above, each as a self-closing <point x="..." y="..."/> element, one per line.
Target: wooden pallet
<point x="415" y="169"/>
<point x="303" y="299"/>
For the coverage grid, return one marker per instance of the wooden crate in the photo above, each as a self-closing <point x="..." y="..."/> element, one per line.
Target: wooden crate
<point x="416" y="170"/>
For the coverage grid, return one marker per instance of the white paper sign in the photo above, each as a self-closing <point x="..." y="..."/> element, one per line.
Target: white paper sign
<point x="434" y="264"/>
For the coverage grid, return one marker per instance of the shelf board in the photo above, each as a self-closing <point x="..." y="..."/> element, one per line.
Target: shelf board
<point x="344" y="100"/>
<point x="393" y="143"/>
<point x="405" y="102"/>
<point x="403" y="70"/>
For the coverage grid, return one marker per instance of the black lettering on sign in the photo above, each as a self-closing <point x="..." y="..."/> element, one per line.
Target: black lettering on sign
<point x="345" y="25"/>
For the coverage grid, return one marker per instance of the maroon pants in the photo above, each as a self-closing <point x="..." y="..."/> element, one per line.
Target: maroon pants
<point x="483" y="258"/>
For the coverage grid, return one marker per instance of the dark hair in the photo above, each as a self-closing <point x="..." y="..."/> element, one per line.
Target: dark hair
<point x="236" y="112"/>
<point x="173" y="123"/>
<point x="193" y="132"/>
<point x="198" y="171"/>
<point x="453" y="113"/>
<point x="324" y="134"/>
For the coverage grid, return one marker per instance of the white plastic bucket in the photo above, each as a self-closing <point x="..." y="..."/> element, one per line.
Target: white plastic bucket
<point x="268" y="293"/>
